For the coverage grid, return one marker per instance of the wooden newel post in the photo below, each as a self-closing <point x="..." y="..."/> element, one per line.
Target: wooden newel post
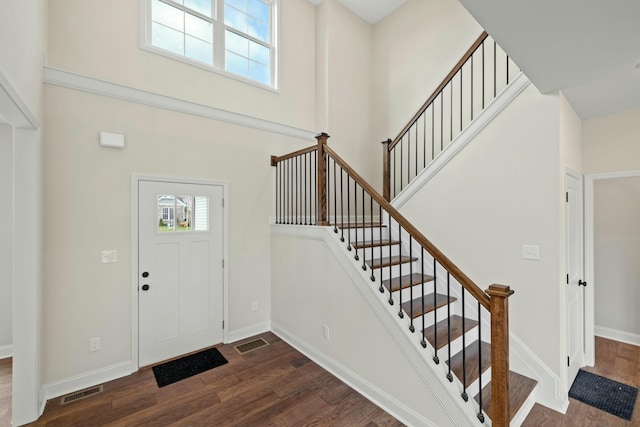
<point x="322" y="180"/>
<point x="386" y="171"/>
<point x="499" y="354"/>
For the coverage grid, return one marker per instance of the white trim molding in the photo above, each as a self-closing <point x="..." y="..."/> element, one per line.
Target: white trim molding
<point x="622" y="336"/>
<point x="247" y="332"/>
<point x="87" y="379"/>
<point x="12" y="107"/>
<point x="67" y="79"/>
<point x="6" y="351"/>
<point x="504" y="98"/>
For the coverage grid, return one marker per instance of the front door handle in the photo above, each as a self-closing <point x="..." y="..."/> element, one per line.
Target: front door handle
<point x="145" y="287"/>
<point x="582" y="283"/>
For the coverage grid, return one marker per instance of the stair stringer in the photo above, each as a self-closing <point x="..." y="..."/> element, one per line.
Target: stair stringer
<point x="462" y="413"/>
<point x="486" y="116"/>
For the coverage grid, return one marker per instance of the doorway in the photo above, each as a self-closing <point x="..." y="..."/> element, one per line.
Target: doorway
<point x="612" y="243"/>
<point x="179" y="286"/>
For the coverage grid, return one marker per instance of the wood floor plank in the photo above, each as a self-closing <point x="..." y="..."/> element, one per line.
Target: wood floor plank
<point x="272" y="386"/>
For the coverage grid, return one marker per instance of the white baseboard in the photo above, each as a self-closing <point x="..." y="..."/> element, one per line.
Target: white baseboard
<point x="613" y="334"/>
<point x="6" y="351"/>
<point x="88" y="379"/>
<point x="247" y="332"/>
<point x="378" y="397"/>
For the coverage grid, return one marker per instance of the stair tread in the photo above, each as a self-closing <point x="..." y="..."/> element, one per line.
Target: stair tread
<point x="376" y="243"/>
<point x="441" y="301"/>
<point x="520" y="387"/>
<point x="353" y="224"/>
<point x="471" y="363"/>
<point x="441" y="329"/>
<point x="389" y="261"/>
<point x="406" y="281"/>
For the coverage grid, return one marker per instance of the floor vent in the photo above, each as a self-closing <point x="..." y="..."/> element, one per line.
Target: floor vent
<point x="250" y="346"/>
<point x="81" y="394"/>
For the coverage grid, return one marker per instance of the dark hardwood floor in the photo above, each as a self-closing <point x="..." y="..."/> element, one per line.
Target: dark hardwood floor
<point x="615" y="360"/>
<point x="277" y="386"/>
<point x="272" y="386"/>
<point x="5" y="392"/>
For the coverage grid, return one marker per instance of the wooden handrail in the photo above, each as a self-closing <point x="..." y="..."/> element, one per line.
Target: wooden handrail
<point x="439" y="89"/>
<point x="462" y="278"/>
<point x="277" y="159"/>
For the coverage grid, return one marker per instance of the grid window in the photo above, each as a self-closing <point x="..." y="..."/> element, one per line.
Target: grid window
<point x="190" y="28"/>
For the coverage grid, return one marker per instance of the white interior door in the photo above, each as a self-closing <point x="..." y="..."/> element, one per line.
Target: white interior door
<point x="180" y="270"/>
<point x="574" y="275"/>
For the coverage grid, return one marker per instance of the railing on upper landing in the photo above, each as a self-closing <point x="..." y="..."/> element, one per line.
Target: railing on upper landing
<point x="478" y="77"/>
<point x="314" y="186"/>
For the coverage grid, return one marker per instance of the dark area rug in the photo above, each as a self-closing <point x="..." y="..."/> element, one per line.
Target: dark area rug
<point x="188" y="366"/>
<point x="607" y="395"/>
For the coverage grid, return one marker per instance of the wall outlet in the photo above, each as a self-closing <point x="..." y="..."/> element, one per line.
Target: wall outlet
<point x="325" y="332"/>
<point x="94" y="344"/>
<point x="254" y="306"/>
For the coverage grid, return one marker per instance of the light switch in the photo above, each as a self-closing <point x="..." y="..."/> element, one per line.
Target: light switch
<point x="531" y="252"/>
<point x="109" y="256"/>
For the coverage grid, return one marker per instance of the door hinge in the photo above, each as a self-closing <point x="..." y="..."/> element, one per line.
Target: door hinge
<point x="223" y="324"/>
<point x="223" y="203"/>
<point x="567" y="278"/>
<point x="566" y="196"/>
<point x="223" y="263"/>
<point x="568" y="364"/>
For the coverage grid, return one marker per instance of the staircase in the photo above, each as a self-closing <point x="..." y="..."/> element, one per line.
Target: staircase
<point x="463" y="330"/>
<point x="435" y="314"/>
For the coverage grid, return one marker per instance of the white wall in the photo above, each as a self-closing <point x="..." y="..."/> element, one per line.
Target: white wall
<point x="499" y="193"/>
<point x="310" y="289"/>
<point x="616" y="251"/>
<point x="6" y="254"/>
<point x="611" y="142"/>
<point x="414" y="48"/>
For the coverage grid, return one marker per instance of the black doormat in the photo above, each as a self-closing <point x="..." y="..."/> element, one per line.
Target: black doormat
<point x="188" y="366"/>
<point x="607" y="395"/>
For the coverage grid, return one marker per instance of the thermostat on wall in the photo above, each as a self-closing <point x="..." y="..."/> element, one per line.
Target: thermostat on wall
<point x="113" y="140"/>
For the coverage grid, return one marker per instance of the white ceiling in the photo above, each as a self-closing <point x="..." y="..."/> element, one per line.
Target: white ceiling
<point x="589" y="49"/>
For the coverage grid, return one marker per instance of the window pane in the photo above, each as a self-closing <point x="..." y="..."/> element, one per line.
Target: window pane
<point x="236" y="64"/>
<point x="235" y="19"/>
<point x="202" y="6"/>
<point x="201" y="214"/>
<point x="199" y="28"/>
<point x="259" y="73"/>
<point x="238" y="4"/>
<point x="198" y="50"/>
<point x="167" y="15"/>
<point x="167" y="38"/>
<point x="166" y="212"/>
<point x="259" y="10"/>
<point x="258" y="29"/>
<point x="259" y="53"/>
<point x="183" y="212"/>
<point x="236" y="44"/>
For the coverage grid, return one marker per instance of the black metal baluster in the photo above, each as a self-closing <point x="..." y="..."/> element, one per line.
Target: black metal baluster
<point x="394" y="171"/>
<point x="401" y="160"/>
<point x="424" y="139"/>
<point x="335" y="200"/>
<point x="460" y="99"/>
<point x="433" y="130"/>
<point x="329" y="188"/>
<point x="472" y="88"/>
<point x="411" y="327"/>
<point x="451" y="111"/>
<point x="296" y="187"/>
<point x="373" y="277"/>
<point x="480" y="414"/>
<point x="507" y="59"/>
<point x="288" y="189"/>
<point x="400" y="313"/>
<point x="449" y="376"/>
<point x="483" y="77"/>
<point x="435" y="310"/>
<point x="423" y="341"/>
<point x="341" y="206"/>
<point x="364" y="232"/>
<point x="408" y="156"/>
<point x="464" y="394"/>
<point x="389" y="268"/>
<point x="495" y="70"/>
<point x="355" y="217"/>
<point x="304" y="162"/>
<point x="441" y="121"/>
<point x="348" y="213"/>
<point x="416" y="123"/>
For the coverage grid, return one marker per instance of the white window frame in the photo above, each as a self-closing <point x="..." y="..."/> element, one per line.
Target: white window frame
<point x="218" y="47"/>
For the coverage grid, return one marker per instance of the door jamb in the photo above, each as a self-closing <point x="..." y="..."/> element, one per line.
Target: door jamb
<point x="135" y="180"/>
<point x="589" y="253"/>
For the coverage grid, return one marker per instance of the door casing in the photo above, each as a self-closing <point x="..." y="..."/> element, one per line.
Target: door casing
<point x="135" y="179"/>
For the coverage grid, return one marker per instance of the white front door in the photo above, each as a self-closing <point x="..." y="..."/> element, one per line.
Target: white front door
<point x="574" y="275"/>
<point x="180" y="271"/>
